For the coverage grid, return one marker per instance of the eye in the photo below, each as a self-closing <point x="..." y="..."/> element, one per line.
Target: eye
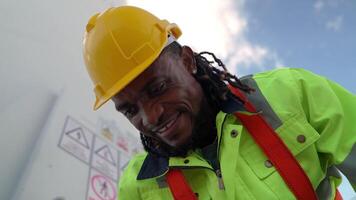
<point x="130" y="111"/>
<point x="158" y="89"/>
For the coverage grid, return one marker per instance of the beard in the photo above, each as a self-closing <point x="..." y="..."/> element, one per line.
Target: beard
<point x="203" y="133"/>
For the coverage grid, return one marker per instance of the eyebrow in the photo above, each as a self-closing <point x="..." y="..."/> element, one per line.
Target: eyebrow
<point x="121" y="106"/>
<point x="152" y="81"/>
<point x="145" y="88"/>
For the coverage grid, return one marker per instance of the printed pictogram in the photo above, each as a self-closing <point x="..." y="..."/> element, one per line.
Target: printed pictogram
<point x="101" y="187"/>
<point x="78" y="135"/>
<point x="76" y="139"/>
<point x="105" y="158"/>
<point x="105" y="153"/>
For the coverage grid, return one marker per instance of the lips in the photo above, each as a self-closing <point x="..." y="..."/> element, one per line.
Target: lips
<point x="164" y="129"/>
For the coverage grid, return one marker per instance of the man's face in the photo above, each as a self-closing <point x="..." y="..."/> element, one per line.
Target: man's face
<point x="164" y="101"/>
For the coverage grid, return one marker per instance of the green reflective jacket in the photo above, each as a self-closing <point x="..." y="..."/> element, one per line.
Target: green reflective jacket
<point x="312" y="115"/>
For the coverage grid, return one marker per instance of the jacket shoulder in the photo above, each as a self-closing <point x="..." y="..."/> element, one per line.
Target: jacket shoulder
<point x="134" y="165"/>
<point x="283" y="73"/>
<point x="128" y="188"/>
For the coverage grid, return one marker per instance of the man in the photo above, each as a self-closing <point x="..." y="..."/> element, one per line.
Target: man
<point x="195" y="118"/>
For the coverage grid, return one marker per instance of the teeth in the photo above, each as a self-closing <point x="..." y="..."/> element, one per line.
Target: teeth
<point x="168" y="125"/>
<point x="163" y="129"/>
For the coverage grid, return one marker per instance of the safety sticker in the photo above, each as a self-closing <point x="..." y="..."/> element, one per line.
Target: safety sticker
<point x="76" y="139"/>
<point x="105" y="158"/>
<point x="100" y="187"/>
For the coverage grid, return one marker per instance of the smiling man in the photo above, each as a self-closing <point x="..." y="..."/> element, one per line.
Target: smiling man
<point x="209" y="135"/>
<point x="166" y="102"/>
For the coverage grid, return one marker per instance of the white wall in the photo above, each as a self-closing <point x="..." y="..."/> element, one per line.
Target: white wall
<point x="40" y="56"/>
<point x="59" y="166"/>
<point x="21" y="124"/>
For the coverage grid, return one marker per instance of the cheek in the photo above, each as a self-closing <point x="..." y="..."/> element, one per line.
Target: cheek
<point x="135" y="121"/>
<point x="183" y="131"/>
<point x="188" y="97"/>
<point x="195" y="96"/>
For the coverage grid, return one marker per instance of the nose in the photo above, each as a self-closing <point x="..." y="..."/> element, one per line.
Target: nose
<point x="151" y="114"/>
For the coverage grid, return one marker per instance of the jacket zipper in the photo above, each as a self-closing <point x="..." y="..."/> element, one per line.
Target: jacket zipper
<point x="218" y="171"/>
<point x="220" y="179"/>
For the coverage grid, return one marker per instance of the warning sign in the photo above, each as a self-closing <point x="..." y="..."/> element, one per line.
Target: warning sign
<point x="78" y="135"/>
<point x="105" y="158"/>
<point x="101" y="187"/>
<point x="76" y="139"/>
<point x="105" y="153"/>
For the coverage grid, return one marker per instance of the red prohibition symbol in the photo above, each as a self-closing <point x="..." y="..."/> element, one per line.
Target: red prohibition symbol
<point x="103" y="188"/>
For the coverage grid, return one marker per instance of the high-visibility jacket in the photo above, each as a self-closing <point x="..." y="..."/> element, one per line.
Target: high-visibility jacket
<point x="312" y="115"/>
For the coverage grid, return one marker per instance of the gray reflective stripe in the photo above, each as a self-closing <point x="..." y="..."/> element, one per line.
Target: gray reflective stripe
<point x="348" y="167"/>
<point x="261" y="103"/>
<point x="324" y="189"/>
<point x="161" y="181"/>
<point x="333" y="171"/>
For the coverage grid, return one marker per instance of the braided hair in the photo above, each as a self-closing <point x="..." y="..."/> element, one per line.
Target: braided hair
<point x="214" y="79"/>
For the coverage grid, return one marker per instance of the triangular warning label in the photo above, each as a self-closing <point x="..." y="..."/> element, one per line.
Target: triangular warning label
<point x="78" y="135"/>
<point x="105" y="153"/>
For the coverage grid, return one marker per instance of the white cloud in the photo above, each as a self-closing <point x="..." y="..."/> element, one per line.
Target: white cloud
<point x="248" y="54"/>
<point x="216" y="26"/>
<point x="322" y="5"/>
<point x="319" y="5"/>
<point x="335" y="23"/>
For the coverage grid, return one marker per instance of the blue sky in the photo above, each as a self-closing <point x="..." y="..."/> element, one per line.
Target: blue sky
<point x="253" y="36"/>
<point x="316" y="35"/>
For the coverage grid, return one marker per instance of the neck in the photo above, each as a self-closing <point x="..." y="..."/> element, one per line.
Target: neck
<point x="204" y="132"/>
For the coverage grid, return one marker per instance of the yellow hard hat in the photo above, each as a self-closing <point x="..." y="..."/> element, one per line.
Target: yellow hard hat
<point x="121" y="43"/>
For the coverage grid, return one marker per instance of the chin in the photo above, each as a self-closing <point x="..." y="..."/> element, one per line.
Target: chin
<point x="177" y="147"/>
<point x="178" y="144"/>
<point x="182" y="133"/>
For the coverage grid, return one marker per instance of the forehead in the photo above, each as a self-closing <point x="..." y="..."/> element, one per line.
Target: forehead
<point x="166" y="66"/>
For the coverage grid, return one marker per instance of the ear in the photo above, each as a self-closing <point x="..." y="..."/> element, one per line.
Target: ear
<point x="187" y="56"/>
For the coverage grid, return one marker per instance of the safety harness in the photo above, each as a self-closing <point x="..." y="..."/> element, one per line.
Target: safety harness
<point x="273" y="147"/>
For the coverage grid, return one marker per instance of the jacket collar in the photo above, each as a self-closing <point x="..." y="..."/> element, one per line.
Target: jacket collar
<point x="153" y="166"/>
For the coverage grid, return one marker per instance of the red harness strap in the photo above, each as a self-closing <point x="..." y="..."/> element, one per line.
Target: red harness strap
<point x="276" y="151"/>
<point x="337" y="195"/>
<point x="274" y="148"/>
<point x="178" y="185"/>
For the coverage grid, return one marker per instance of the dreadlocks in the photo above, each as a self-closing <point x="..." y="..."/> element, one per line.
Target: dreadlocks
<point x="214" y="82"/>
